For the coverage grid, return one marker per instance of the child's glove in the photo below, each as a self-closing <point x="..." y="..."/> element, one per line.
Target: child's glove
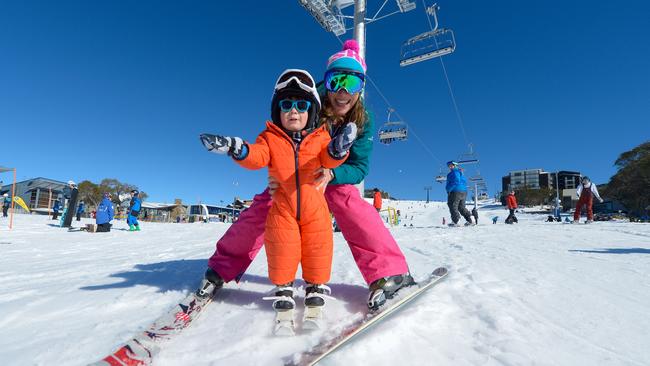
<point x="222" y="144"/>
<point x="343" y="140"/>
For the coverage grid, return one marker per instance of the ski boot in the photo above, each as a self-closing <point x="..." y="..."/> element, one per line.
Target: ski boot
<point x="385" y="288"/>
<point x="137" y="227"/>
<point x="470" y="222"/>
<point x="314" y="302"/>
<point x="131" y="227"/>
<point x="576" y="221"/>
<point x="589" y="221"/>
<point x="452" y="224"/>
<point x="209" y="285"/>
<point x="284" y="307"/>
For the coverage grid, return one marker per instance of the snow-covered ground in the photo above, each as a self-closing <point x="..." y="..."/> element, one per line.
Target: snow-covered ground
<point x="533" y="293"/>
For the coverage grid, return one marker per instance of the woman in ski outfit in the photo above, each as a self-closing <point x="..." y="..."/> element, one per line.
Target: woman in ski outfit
<point x="375" y="252"/>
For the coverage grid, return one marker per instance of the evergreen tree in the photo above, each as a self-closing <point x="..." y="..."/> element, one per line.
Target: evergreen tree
<point x="631" y="184"/>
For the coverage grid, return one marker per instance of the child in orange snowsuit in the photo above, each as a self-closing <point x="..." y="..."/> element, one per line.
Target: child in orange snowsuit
<point x="298" y="226"/>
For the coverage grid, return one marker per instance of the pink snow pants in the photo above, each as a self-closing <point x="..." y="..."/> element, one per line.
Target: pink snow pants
<point x="373" y="247"/>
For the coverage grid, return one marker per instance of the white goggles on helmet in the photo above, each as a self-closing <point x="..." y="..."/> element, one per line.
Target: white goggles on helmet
<point x="302" y="78"/>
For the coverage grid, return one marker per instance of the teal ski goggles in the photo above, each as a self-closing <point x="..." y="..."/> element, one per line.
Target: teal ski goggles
<point x="336" y="80"/>
<point x="286" y="105"/>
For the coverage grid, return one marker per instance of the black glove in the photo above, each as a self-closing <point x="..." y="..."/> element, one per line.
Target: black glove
<point x="343" y="140"/>
<point x="222" y="144"/>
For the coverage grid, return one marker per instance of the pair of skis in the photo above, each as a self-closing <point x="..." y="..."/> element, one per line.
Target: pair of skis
<point x="141" y="349"/>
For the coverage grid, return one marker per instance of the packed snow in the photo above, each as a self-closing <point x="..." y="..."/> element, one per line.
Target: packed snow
<point x="531" y="293"/>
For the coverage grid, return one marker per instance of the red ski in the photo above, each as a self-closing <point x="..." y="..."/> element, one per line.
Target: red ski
<point x="141" y="349"/>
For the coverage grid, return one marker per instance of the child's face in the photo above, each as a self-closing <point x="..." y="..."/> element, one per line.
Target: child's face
<point x="294" y="120"/>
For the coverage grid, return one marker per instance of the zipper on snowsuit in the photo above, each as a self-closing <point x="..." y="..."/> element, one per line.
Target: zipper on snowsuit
<point x="295" y="154"/>
<point x="296" y="148"/>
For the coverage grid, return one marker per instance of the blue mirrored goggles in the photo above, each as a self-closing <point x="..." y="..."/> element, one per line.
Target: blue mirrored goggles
<point x="286" y="105"/>
<point x="352" y="82"/>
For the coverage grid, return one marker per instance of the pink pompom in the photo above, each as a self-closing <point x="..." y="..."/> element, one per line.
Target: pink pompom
<point x="351" y="44"/>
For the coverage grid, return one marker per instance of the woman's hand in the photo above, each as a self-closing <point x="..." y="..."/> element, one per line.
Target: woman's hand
<point x="322" y="177"/>
<point x="342" y="140"/>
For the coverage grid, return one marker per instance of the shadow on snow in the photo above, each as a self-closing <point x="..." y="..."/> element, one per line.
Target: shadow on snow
<point x="616" y="251"/>
<point x="186" y="275"/>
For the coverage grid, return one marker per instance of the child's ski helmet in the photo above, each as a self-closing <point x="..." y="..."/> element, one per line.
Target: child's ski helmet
<point x="296" y="83"/>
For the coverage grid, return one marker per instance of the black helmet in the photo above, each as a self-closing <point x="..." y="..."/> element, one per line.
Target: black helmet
<point x="296" y="83"/>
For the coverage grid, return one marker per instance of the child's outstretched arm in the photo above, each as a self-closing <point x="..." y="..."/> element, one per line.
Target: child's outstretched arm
<point x="257" y="155"/>
<point x="251" y="156"/>
<point x="338" y="148"/>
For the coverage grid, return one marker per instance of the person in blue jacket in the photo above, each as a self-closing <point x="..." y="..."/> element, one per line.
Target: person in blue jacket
<point x="457" y="194"/>
<point x="80" y="209"/>
<point x="104" y="214"/>
<point x="134" y="211"/>
<point x="56" y="208"/>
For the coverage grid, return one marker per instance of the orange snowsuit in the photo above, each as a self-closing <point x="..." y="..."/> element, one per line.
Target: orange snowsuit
<point x="376" y="200"/>
<point x="298" y="226"/>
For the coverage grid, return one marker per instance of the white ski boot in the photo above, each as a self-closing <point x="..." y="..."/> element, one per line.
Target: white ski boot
<point x="314" y="303"/>
<point x="284" y="307"/>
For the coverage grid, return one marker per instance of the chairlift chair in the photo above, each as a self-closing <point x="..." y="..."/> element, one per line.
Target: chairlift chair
<point x="392" y="131"/>
<point x="428" y="45"/>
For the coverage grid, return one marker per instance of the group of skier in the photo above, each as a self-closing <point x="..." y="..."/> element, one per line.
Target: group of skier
<point x="457" y="194"/>
<point x="104" y="213"/>
<point x="317" y="146"/>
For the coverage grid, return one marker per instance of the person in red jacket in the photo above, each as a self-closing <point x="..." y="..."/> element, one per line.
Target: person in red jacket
<point x="511" y="202"/>
<point x="376" y="199"/>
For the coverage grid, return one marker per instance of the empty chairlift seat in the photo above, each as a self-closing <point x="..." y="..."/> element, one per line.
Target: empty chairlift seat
<point x="428" y="45"/>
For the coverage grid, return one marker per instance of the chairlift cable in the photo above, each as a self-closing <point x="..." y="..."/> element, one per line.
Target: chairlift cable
<point x="411" y="131"/>
<point x="449" y="86"/>
<point x="451" y="92"/>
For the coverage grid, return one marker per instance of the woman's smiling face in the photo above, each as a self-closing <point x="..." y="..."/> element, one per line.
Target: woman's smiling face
<point x="342" y="101"/>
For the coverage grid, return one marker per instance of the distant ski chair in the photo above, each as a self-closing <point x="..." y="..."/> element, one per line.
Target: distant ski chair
<point x="428" y="45"/>
<point x="392" y="130"/>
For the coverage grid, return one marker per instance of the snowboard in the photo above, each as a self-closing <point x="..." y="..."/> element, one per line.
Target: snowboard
<point x="329" y="345"/>
<point x="71" y="210"/>
<point x="141" y="349"/>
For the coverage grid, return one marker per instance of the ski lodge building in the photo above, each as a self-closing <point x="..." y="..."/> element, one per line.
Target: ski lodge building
<point x="38" y="193"/>
<point x="567" y="182"/>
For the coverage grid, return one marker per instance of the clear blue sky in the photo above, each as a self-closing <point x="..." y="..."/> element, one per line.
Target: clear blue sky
<point x="122" y="89"/>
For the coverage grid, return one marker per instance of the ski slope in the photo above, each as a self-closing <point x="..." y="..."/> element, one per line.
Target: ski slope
<point x="532" y="293"/>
